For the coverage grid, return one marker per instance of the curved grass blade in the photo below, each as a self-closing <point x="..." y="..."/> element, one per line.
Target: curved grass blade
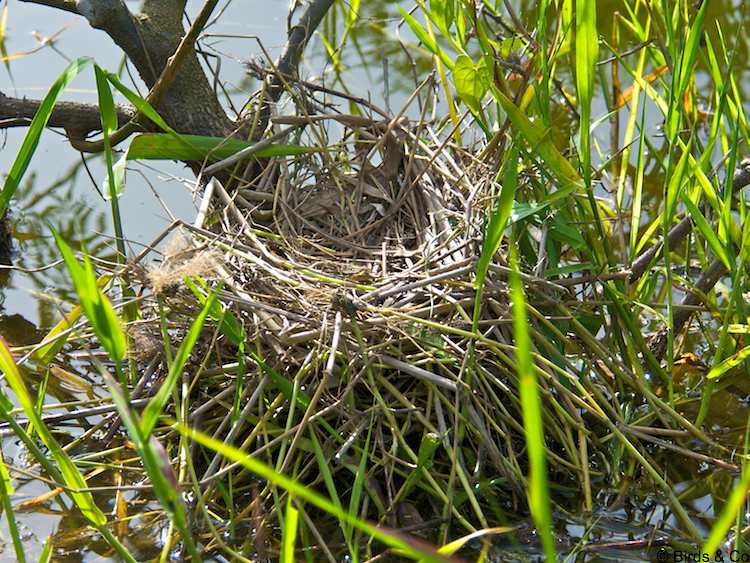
<point x="96" y="306"/>
<point x="156" y="405"/>
<point x="407" y="547"/>
<point x="540" y="142"/>
<point x="70" y="474"/>
<point x="34" y="132"/>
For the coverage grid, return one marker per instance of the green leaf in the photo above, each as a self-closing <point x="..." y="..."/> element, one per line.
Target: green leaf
<point x="707" y="231"/>
<point x="156" y="405"/>
<point x="472" y="81"/>
<point x="418" y="551"/>
<point x="6" y="490"/>
<point x="34" y="132"/>
<point x="540" y="142"/>
<point x="162" y="146"/>
<point x="443" y="14"/>
<point x="96" y="306"/>
<point x="493" y="235"/>
<point x="72" y="477"/>
<point x="731" y="362"/>
<point x="531" y="406"/>
<point x="289" y="532"/>
<point x="426" y="39"/>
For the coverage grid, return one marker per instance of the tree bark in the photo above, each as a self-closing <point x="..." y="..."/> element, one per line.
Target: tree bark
<point x="77" y="119"/>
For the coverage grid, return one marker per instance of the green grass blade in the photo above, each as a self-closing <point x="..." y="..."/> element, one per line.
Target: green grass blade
<point x="6" y="490"/>
<point x="34" y="132"/>
<point x="289" y="532"/>
<point x="539" y="501"/>
<point x="72" y="477"/>
<point x="156" y="405"/>
<point x="731" y="362"/>
<point x="46" y="555"/>
<point x="493" y="235"/>
<point x="164" y="146"/>
<point x="96" y="306"/>
<point x="541" y="143"/>
<point x="734" y="505"/>
<point x="388" y="537"/>
<point x="114" y="177"/>
<point x="707" y="231"/>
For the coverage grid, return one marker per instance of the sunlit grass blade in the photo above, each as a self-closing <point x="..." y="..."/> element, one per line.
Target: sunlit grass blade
<point x="493" y="235"/>
<point x="96" y="306"/>
<point x="731" y="362"/>
<point x="455" y="545"/>
<point x="46" y="555"/>
<point x="108" y="115"/>
<point x="68" y="470"/>
<point x="300" y="491"/>
<point x="426" y="39"/>
<point x="164" y="146"/>
<point x="6" y="490"/>
<point x="540" y="142"/>
<point x="289" y="532"/>
<point x="531" y="406"/>
<point x="156" y="406"/>
<point x="734" y="505"/>
<point x="684" y="71"/>
<point x="34" y="131"/>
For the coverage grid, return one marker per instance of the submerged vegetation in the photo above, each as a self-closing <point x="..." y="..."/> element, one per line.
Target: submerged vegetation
<point x="505" y="319"/>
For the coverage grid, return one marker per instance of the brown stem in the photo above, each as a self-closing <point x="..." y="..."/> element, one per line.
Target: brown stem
<point x="78" y="119"/>
<point x="683" y="228"/>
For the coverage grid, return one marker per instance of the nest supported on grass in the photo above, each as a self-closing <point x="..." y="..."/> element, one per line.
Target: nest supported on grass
<point x="348" y="291"/>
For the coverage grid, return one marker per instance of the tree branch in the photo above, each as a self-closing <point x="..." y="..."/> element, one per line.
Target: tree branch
<point x="299" y="36"/>
<point x="78" y="119"/>
<point x="66" y="5"/>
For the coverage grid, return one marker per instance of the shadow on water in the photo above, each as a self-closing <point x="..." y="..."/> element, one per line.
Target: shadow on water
<point x="624" y="530"/>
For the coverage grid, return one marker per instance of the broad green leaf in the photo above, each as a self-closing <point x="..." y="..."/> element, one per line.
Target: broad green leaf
<point x="163" y="146"/>
<point x="472" y="81"/>
<point x="96" y="306"/>
<point x="540" y="142"/>
<point x="34" y="132"/>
